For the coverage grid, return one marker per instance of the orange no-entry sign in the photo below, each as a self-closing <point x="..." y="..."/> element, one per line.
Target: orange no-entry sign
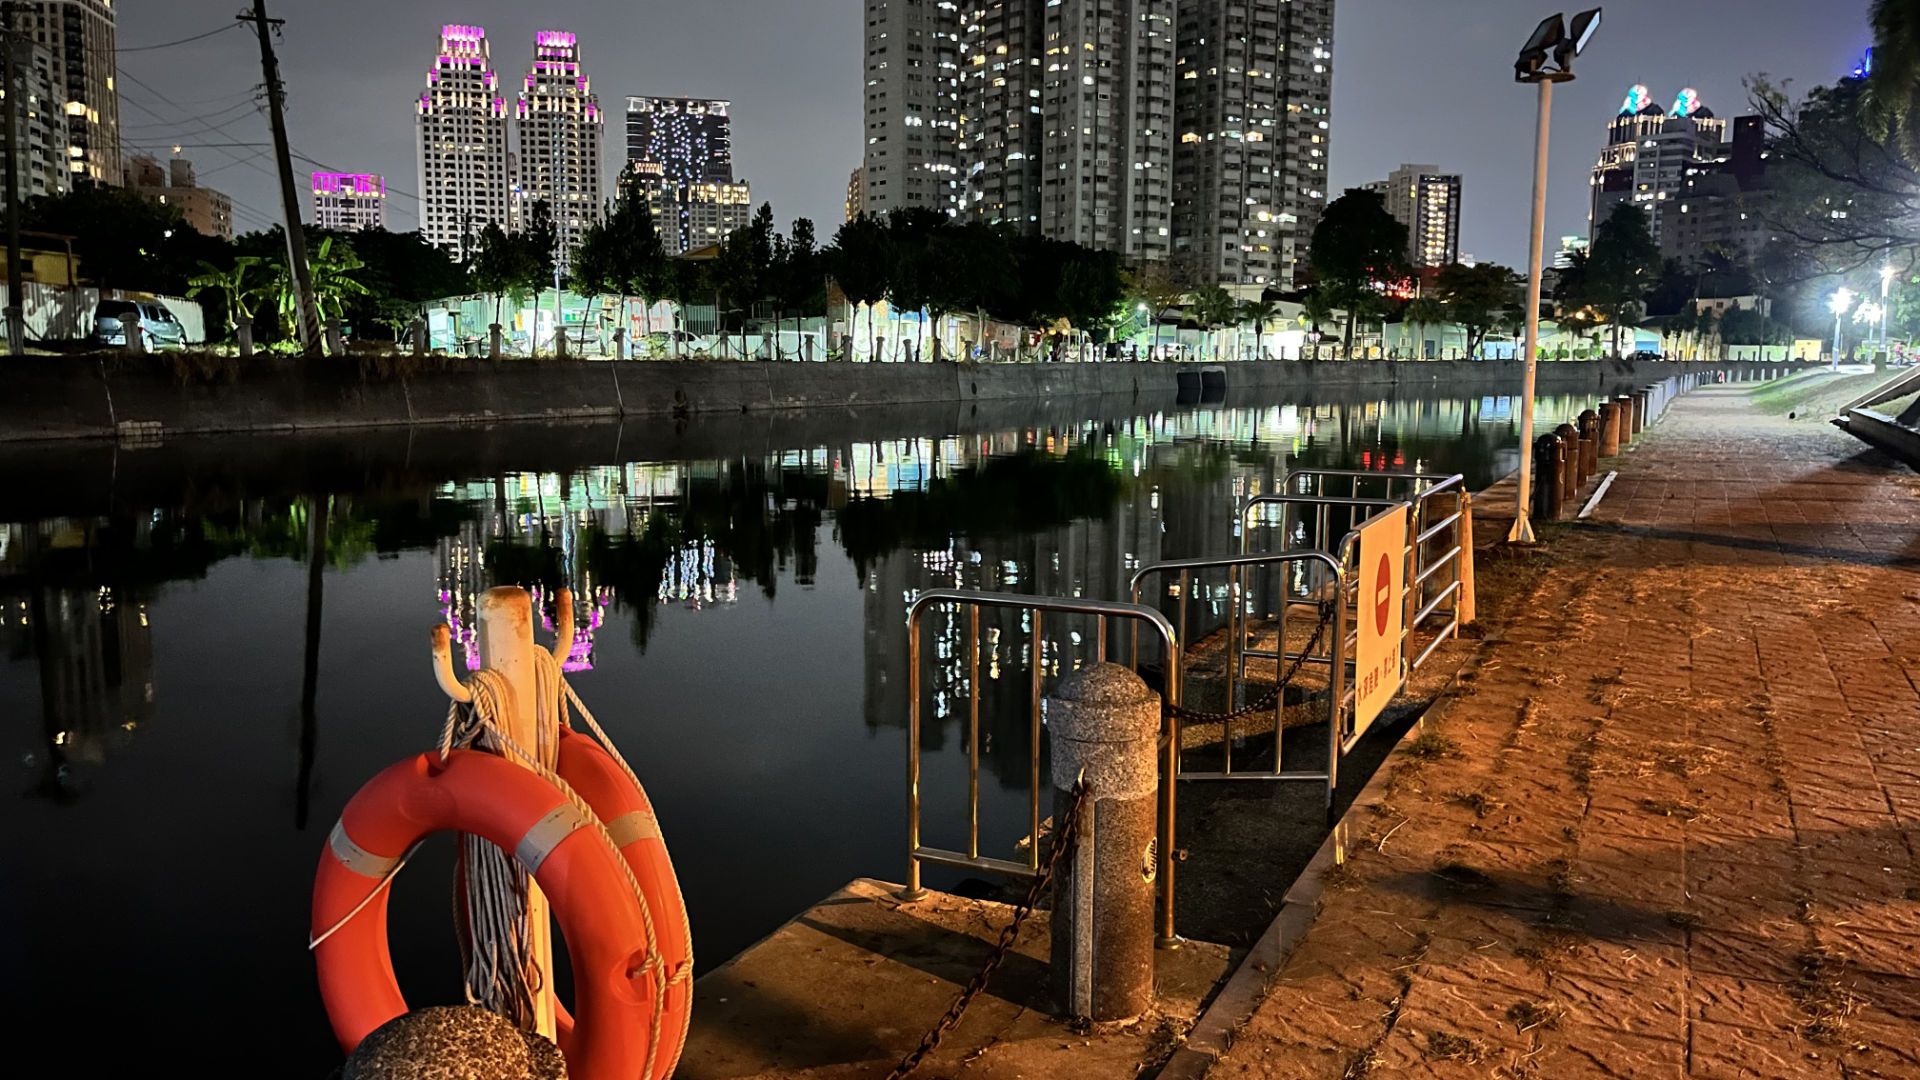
<point x="1379" y="661"/>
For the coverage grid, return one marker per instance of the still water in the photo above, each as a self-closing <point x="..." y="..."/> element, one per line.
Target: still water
<point x="187" y="699"/>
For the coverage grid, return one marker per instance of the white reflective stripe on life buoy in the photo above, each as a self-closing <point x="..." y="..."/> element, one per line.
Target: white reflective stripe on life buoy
<point x="628" y="828"/>
<point x="547" y="834"/>
<point x="356" y="858"/>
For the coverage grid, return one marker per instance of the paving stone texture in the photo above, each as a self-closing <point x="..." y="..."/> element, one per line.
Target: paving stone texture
<point x="1670" y="826"/>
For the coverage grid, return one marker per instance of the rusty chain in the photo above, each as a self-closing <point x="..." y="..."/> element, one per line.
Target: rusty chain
<point x="1063" y="841"/>
<point x="1268" y="699"/>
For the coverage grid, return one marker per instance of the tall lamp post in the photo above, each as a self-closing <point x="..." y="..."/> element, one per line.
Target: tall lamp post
<point x="1842" y="303"/>
<point x="1886" y="286"/>
<point x="1551" y="40"/>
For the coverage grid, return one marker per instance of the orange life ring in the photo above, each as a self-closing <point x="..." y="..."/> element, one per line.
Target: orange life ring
<point x="593" y="773"/>
<point x="520" y="812"/>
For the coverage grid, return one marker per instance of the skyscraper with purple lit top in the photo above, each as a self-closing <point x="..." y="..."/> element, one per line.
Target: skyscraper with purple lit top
<point x="465" y="173"/>
<point x="560" y="126"/>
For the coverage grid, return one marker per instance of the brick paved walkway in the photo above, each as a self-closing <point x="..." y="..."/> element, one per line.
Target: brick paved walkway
<point x="1671" y="825"/>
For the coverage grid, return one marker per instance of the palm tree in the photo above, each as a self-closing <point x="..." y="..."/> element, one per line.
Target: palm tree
<point x="332" y="269"/>
<point x="1214" y="307"/>
<point x="1422" y="312"/>
<point x="236" y="287"/>
<point x="1261" y="314"/>
<point x="1317" y="309"/>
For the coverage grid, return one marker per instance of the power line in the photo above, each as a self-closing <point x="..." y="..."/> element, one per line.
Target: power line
<point x="252" y="107"/>
<point x="182" y="41"/>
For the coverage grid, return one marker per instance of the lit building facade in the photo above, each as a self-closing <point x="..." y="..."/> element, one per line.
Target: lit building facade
<point x="559" y="122"/>
<point x="691" y="139"/>
<point x="856" y="205"/>
<point x="1255" y="124"/>
<point x="680" y="152"/>
<point x="79" y="36"/>
<point x="172" y="184"/>
<point x="1648" y="153"/>
<point x="1065" y="120"/>
<point x="1001" y="117"/>
<point x="349" y="202"/>
<point x="465" y="170"/>
<point x="1427" y="202"/>
<point x="42" y="120"/>
<point x="912" y="122"/>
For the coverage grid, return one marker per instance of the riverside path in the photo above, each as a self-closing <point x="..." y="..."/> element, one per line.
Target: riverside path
<point x="1669" y="824"/>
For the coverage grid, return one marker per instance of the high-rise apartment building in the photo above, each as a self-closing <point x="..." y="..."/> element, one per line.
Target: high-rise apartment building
<point x="559" y="124"/>
<point x="172" y="184"/>
<point x="1065" y="113"/>
<point x="1106" y="152"/>
<point x="680" y="153"/>
<point x="691" y="139"/>
<point x="349" y="202"/>
<point x="79" y="35"/>
<point x="857" y="194"/>
<point x="1427" y="202"/>
<point x="912" y="116"/>
<point x="1254" y="119"/>
<point x="465" y="174"/>
<point x="1195" y="131"/>
<point x="42" y="123"/>
<point x="1648" y="152"/>
<point x="1000" y="112"/>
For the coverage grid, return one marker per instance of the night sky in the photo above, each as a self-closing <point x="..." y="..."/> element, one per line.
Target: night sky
<point x="1415" y="80"/>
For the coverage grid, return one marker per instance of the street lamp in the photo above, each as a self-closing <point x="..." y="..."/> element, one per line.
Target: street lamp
<point x="1841" y="303"/>
<point x="1552" y="40"/>
<point x="1886" y="284"/>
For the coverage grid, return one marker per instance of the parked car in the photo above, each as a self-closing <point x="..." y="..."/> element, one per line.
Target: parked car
<point x="156" y="325"/>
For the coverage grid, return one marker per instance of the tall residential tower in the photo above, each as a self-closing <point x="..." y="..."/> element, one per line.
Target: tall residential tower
<point x="462" y="144"/>
<point x="912" y="118"/>
<point x="1194" y="131"/>
<point x="80" y="36"/>
<point x="1254" y="118"/>
<point x="349" y="202"/>
<point x="1427" y="202"/>
<point x="559" y="123"/>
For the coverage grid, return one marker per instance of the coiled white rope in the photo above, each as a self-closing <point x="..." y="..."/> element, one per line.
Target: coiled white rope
<point x="500" y="974"/>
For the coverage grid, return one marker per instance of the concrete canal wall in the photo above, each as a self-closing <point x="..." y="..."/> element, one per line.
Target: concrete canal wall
<point x="146" y="397"/>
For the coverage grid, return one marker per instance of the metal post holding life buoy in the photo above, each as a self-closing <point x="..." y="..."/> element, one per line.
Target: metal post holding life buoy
<point x="507" y="648"/>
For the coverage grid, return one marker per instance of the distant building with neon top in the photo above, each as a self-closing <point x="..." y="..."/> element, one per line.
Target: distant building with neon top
<point x="1699" y="178"/>
<point x="349" y="202"/>
<point x="465" y="169"/>
<point x="560" y="135"/>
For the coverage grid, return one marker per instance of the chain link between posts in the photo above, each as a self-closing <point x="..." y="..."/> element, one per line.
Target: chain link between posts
<point x="1271" y="697"/>
<point x="1063" y="842"/>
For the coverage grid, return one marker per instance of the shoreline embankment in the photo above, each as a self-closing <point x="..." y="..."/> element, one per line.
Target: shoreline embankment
<point x="119" y="396"/>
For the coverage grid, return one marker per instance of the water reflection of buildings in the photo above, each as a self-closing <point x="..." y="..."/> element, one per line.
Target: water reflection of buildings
<point x="539" y="530"/>
<point x="91" y="644"/>
<point x="1186" y="477"/>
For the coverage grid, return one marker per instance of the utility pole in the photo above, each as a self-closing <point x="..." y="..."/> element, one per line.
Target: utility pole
<point x="16" y="313"/>
<point x="309" y="311"/>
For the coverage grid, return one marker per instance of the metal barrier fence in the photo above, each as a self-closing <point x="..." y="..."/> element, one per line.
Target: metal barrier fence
<point x="1038" y="607"/>
<point x="1439" y="597"/>
<point x="1333" y="660"/>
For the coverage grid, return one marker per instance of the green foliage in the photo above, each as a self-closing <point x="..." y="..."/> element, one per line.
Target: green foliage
<point x="1620" y="268"/>
<point x="1890" y="104"/>
<point x="1478" y="298"/>
<point x="335" y="270"/>
<point x="237" y="287"/>
<point x="122" y="240"/>
<point x="1841" y="195"/>
<point x="1357" y="247"/>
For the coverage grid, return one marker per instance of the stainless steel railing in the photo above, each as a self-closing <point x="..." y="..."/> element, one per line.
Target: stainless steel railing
<point x="1333" y="660"/>
<point x="1038" y="607"/>
<point x="1439" y="542"/>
